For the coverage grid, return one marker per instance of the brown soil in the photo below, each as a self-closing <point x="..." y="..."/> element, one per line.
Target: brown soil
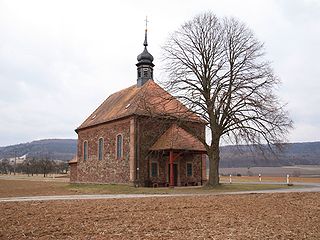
<point x="12" y="188"/>
<point x="254" y="216"/>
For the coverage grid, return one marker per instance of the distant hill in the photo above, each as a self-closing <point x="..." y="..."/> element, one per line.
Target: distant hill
<point x="307" y="153"/>
<point x="62" y="149"/>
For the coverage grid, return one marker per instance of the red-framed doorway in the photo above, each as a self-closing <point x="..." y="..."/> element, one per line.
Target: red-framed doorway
<point x="175" y="174"/>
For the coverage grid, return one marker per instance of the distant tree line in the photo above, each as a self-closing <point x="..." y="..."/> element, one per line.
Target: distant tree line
<point x="34" y="166"/>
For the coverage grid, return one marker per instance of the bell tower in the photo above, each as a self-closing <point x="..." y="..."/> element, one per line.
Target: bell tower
<point x="144" y="65"/>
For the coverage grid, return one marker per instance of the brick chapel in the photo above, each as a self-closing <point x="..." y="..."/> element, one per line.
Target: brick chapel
<point x="140" y="135"/>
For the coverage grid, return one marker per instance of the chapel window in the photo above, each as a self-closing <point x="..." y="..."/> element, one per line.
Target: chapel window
<point x="119" y="146"/>
<point x="154" y="169"/>
<point x="85" y="150"/>
<point x="100" y="149"/>
<point x="189" y="169"/>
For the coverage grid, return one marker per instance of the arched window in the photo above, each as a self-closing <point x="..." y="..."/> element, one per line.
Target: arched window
<point x="119" y="146"/>
<point x="85" y="150"/>
<point x="100" y="149"/>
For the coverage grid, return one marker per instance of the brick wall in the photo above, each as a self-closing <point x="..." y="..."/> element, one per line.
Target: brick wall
<point x="195" y="159"/>
<point x="109" y="169"/>
<point x="73" y="172"/>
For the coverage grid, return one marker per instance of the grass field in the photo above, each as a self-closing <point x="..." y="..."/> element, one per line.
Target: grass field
<point x="268" y="179"/>
<point x="250" y="216"/>
<point x="13" y="188"/>
<point x="22" y="185"/>
<point x="296" y="171"/>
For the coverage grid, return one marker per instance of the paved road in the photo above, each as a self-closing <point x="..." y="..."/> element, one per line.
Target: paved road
<point x="310" y="188"/>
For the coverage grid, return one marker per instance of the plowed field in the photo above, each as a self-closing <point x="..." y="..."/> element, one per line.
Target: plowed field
<point x="252" y="216"/>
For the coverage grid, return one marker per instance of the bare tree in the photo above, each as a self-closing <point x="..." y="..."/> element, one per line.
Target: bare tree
<point x="45" y="164"/>
<point x="5" y="166"/>
<point x="217" y="68"/>
<point x="61" y="167"/>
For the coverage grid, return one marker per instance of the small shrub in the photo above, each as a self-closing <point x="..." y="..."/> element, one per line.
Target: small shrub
<point x="296" y="173"/>
<point x="249" y="173"/>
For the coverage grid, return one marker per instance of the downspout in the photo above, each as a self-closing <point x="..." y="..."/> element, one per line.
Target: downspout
<point x="171" y="168"/>
<point x="201" y="167"/>
<point x="137" y="151"/>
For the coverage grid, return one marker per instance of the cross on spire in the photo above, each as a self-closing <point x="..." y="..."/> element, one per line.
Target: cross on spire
<point x="145" y="35"/>
<point x="146" y="22"/>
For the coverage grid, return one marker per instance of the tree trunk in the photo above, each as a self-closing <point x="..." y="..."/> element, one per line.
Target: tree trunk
<point x="214" y="159"/>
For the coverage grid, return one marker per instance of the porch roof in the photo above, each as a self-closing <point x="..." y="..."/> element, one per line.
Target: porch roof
<point x="176" y="138"/>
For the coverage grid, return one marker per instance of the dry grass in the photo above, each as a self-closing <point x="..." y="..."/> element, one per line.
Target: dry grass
<point x="269" y="179"/>
<point x="14" y="188"/>
<point x="254" y="216"/>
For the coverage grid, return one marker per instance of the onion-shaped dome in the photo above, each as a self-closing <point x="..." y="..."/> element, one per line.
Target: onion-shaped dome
<point x="145" y="56"/>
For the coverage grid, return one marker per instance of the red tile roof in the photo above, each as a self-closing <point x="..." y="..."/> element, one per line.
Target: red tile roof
<point x="176" y="138"/>
<point x="149" y="99"/>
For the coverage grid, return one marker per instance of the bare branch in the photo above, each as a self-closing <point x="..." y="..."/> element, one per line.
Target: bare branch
<point x="217" y="69"/>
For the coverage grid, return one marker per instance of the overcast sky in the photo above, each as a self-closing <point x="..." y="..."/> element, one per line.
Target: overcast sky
<point x="60" y="59"/>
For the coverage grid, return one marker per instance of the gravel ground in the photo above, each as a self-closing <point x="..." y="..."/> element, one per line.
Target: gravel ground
<point x="251" y="216"/>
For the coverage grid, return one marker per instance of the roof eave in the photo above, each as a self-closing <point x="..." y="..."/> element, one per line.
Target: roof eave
<point x="104" y="122"/>
<point x="179" y="149"/>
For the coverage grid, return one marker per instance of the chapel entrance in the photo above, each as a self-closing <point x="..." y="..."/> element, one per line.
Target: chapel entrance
<point x="175" y="173"/>
<point x="174" y="143"/>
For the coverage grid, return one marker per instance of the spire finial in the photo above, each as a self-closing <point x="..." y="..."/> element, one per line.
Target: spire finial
<point x="146" y="22"/>
<point x="145" y="37"/>
<point x="145" y="59"/>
